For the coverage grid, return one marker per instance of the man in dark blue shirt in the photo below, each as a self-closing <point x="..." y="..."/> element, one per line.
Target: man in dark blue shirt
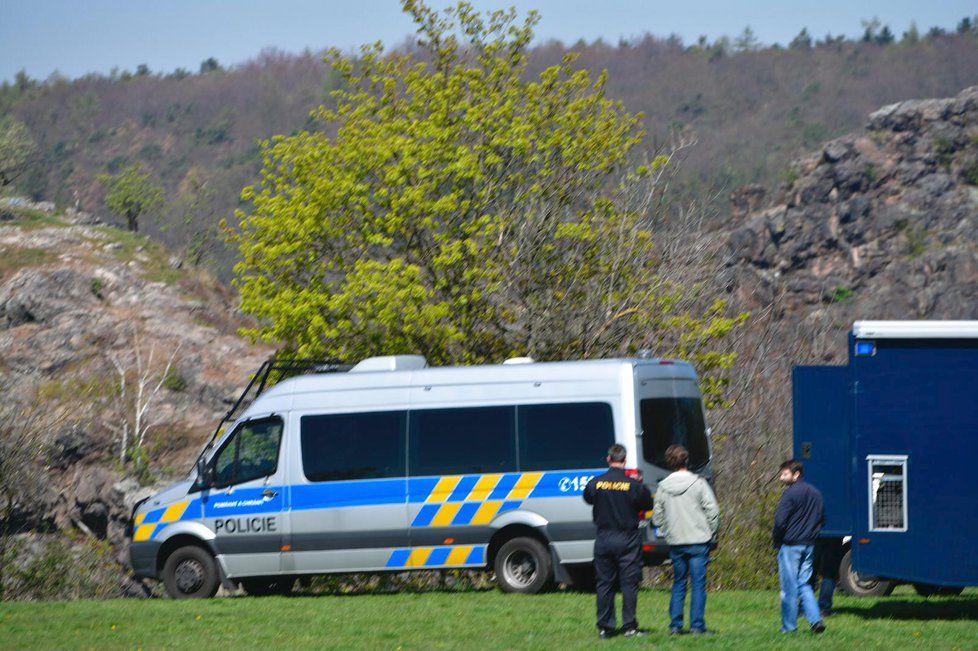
<point x="617" y="499"/>
<point x="797" y="523"/>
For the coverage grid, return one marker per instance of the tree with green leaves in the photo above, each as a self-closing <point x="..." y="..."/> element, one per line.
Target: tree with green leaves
<point x="17" y="149"/>
<point x="465" y="209"/>
<point x="131" y="193"/>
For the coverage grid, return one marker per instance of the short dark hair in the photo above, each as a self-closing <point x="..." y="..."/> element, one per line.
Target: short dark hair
<point x="677" y="457"/>
<point x="794" y="466"/>
<point x="617" y="453"/>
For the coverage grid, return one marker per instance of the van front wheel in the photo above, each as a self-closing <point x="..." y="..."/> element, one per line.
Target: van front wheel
<point x="523" y="565"/>
<point x="191" y="573"/>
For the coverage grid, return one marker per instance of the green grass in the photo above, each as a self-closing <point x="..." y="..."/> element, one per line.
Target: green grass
<point x="155" y="263"/>
<point x="28" y="218"/>
<point x="467" y="620"/>
<point x="13" y="259"/>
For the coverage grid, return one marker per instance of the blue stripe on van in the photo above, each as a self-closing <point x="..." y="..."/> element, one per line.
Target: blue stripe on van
<point x="509" y="506"/>
<point x="425" y="515"/>
<point x="419" y="488"/>
<point x="506" y="483"/>
<point x="438" y="556"/>
<point x="477" y="556"/>
<point x="463" y="488"/>
<point x="399" y="558"/>
<point x="558" y="484"/>
<point x="348" y="493"/>
<point x="154" y="516"/>
<point x="466" y="513"/>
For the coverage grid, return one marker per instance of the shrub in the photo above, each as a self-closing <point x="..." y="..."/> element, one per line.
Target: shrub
<point x="175" y="381"/>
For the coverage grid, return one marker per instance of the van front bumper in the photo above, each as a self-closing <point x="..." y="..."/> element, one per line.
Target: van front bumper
<point x="142" y="558"/>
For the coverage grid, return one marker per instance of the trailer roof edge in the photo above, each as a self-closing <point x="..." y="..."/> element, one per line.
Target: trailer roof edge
<point x="915" y="329"/>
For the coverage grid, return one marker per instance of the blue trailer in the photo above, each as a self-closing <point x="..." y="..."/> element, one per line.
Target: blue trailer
<point x="891" y="440"/>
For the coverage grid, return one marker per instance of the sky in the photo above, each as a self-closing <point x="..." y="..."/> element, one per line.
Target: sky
<point x="75" y="37"/>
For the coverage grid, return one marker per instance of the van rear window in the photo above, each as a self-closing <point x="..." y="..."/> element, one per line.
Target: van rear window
<point x="555" y="437"/>
<point x="370" y="445"/>
<point x="668" y="421"/>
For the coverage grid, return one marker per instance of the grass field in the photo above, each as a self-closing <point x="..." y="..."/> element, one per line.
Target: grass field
<point x="468" y="620"/>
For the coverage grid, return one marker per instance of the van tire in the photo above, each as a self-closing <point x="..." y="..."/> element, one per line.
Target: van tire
<point x="265" y="586"/>
<point x="523" y="565"/>
<point x="191" y="573"/>
<point x="855" y="586"/>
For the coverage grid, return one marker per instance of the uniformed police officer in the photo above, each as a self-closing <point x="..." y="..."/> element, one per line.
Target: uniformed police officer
<point x="617" y="499"/>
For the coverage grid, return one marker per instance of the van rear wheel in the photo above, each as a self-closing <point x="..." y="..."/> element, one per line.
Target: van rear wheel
<point x="523" y="565"/>
<point x="191" y="573"/>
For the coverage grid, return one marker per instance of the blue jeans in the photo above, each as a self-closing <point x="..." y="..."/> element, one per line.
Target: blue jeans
<point x="825" y="594"/>
<point x="689" y="562"/>
<point x="795" y="569"/>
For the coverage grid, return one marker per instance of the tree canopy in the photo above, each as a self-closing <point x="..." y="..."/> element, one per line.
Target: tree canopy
<point x="132" y="193"/>
<point x="17" y="149"/>
<point x="464" y="208"/>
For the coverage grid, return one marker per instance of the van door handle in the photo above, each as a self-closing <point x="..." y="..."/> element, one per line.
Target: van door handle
<point x="268" y="493"/>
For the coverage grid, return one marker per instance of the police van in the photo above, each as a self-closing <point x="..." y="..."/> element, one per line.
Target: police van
<point x="396" y="466"/>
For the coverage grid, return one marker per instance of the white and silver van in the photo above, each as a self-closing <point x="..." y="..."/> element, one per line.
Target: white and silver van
<point x="397" y="466"/>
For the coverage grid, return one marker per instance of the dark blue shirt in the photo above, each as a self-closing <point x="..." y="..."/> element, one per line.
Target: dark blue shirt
<point x="617" y="499"/>
<point x="799" y="517"/>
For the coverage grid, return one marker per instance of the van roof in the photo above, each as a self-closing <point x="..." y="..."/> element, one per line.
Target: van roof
<point x="565" y="371"/>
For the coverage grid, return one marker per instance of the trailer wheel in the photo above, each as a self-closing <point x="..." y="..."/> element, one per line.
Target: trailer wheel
<point x="854" y="585"/>
<point x="264" y="586"/>
<point x="191" y="573"/>
<point x="523" y="565"/>
<point x="927" y="590"/>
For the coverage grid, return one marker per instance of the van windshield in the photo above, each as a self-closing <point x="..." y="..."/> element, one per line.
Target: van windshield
<point x="666" y="421"/>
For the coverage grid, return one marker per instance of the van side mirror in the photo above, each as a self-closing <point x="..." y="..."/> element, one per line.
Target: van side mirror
<point x="204" y="475"/>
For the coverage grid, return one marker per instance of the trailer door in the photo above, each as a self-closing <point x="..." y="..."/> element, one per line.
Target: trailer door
<point x="822" y="403"/>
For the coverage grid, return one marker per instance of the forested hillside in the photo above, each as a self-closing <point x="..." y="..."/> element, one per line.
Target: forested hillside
<point x="750" y="109"/>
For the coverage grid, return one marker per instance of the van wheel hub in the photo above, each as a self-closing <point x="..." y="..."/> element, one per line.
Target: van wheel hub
<point x="189" y="575"/>
<point x="520" y="568"/>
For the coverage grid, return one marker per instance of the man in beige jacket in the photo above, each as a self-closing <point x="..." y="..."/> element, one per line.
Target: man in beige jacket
<point x="687" y="516"/>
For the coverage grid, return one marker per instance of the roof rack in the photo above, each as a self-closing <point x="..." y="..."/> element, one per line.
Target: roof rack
<point x="271" y="372"/>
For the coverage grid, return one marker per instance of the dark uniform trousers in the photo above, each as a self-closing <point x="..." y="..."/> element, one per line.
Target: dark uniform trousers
<point x="617" y="499"/>
<point x="617" y="564"/>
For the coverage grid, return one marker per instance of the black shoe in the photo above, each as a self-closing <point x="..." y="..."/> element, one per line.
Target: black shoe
<point x="818" y="627"/>
<point x="827" y="613"/>
<point x="634" y="632"/>
<point x="677" y="631"/>
<point x="605" y="633"/>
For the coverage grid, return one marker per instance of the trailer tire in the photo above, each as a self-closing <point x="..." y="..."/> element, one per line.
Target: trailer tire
<point x="928" y="590"/>
<point x="854" y="586"/>
<point x="190" y="572"/>
<point x="266" y="586"/>
<point x="523" y="565"/>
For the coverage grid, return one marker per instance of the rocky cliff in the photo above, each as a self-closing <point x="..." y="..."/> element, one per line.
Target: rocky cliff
<point x="107" y="340"/>
<point x="883" y="223"/>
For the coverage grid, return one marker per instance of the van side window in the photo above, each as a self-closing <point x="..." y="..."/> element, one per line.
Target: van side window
<point x="250" y="453"/>
<point x="336" y="447"/>
<point x="555" y="437"/>
<point x="459" y="441"/>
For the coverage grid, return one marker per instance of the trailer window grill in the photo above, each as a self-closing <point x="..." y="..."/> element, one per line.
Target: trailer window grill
<point x="887" y="493"/>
